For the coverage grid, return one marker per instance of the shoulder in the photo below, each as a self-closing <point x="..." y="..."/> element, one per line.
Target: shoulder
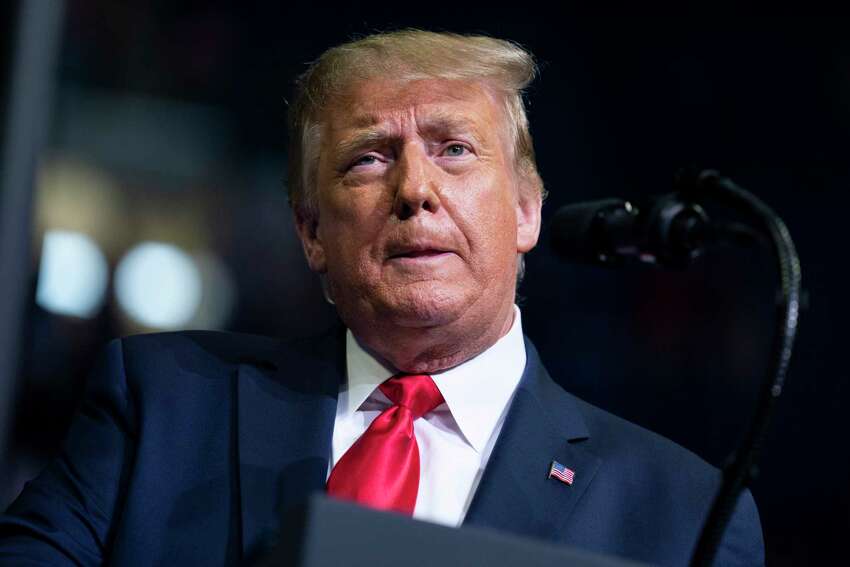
<point x="198" y="348"/>
<point x="623" y="445"/>
<point x="627" y="449"/>
<point x="668" y="486"/>
<point x="192" y="348"/>
<point x="622" y="442"/>
<point x="186" y="356"/>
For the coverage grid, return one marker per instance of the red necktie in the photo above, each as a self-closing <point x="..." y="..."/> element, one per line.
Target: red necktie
<point x="381" y="469"/>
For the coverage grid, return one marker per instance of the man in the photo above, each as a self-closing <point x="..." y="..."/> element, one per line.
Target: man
<point x="415" y="191"/>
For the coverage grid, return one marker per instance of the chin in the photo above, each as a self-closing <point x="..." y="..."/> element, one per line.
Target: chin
<point x="425" y="305"/>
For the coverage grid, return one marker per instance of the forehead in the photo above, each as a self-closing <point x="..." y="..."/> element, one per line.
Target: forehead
<point x="387" y="103"/>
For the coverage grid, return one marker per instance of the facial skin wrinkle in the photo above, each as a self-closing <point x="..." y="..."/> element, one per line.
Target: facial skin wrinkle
<point x="428" y="308"/>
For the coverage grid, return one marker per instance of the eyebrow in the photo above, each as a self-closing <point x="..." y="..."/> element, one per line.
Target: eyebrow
<point x="361" y="139"/>
<point x="440" y="123"/>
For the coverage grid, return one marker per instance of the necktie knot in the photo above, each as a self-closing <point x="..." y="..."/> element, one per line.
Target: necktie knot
<point x="416" y="392"/>
<point x="381" y="469"/>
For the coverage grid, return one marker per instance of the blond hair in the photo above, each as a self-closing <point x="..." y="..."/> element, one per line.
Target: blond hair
<point x="407" y="55"/>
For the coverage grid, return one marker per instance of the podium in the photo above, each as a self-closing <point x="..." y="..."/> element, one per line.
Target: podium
<point x="325" y="532"/>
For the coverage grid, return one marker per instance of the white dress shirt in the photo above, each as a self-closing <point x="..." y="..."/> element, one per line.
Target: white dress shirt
<point x="456" y="439"/>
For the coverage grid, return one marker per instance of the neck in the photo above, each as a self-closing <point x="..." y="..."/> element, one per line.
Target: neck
<point x="426" y="350"/>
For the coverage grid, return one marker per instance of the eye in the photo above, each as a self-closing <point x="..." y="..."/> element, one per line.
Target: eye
<point x="368" y="159"/>
<point x="456" y="150"/>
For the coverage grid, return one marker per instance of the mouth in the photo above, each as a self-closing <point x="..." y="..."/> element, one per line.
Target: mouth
<point x="430" y="253"/>
<point x="418" y="252"/>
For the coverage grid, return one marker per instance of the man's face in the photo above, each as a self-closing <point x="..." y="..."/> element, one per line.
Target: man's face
<point x="420" y="212"/>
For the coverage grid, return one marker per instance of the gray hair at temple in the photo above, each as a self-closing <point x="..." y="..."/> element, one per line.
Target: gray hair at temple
<point x="407" y="55"/>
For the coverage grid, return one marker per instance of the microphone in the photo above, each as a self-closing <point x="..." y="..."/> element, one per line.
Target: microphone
<point x="672" y="230"/>
<point x="667" y="230"/>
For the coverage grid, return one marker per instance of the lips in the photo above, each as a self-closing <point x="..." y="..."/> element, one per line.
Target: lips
<point x="417" y="250"/>
<point x="419" y="254"/>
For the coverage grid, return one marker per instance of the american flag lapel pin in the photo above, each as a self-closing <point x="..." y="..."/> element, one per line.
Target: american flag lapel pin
<point x="562" y="473"/>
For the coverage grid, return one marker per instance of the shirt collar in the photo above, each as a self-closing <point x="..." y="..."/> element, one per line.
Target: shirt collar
<point x="365" y="373"/>
<point x="476" y="392"/>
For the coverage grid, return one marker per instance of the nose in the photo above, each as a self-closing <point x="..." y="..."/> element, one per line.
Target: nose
<point x="416" y="184"/>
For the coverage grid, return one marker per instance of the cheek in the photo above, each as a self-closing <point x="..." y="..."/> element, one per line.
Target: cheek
<point x="351" y="225"/>
<point x="487" y="216"/>
<point x="354" y="216"/>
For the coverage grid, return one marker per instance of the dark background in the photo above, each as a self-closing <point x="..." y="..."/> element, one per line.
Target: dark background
<point x="176" y="110"/>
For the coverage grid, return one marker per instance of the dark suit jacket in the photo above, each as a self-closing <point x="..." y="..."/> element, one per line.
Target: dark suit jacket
<point x="190" y="446"/>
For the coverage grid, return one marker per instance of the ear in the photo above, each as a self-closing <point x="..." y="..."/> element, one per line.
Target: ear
<point x="528" y="209"/>
<point x="307" y="225"/>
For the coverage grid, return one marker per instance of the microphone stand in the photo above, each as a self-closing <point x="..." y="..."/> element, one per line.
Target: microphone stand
<point x="742" y="469"/>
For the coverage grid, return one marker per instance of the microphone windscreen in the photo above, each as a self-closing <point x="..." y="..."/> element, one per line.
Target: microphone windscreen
<point x="572" y="231"/>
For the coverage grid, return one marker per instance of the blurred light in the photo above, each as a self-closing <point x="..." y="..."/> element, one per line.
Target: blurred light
<point x="72" y="275"/>
<point x="77" y="196"/>
<point x="219" y="292"/>
<point x="158" y="285"/>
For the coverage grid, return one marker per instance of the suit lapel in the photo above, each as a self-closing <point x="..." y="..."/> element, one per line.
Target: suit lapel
<point x="543" y="424"/>
<point x="286" y="408"/>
